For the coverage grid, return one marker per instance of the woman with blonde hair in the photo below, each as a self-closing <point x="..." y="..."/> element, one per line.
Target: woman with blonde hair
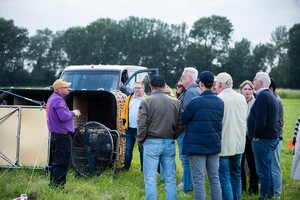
<point x="247" y="90"/>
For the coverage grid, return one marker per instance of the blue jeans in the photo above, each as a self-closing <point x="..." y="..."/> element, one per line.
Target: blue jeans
<point x="276" y="171"/>
<point x="130" y="142"/>
<point x="263" y="150"/>
<point x="199" y="165"/>
<point x="163" y="151"/>
<point x="230" y="176"/>
<point x="186" y="174"/>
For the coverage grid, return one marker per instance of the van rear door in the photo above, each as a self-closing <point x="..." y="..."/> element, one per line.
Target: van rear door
<point x="144" y="76"/>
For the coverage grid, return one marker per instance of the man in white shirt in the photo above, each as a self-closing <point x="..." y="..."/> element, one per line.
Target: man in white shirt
<point x="129" y="116"/>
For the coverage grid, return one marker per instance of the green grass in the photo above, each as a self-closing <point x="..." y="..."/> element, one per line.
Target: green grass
<point x="130" y="185"/>
<point x="288" y="93"/>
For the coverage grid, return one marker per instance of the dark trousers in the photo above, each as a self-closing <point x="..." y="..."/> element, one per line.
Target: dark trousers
<point x="130" y="142"/>
<point x="60" y="154"/>
<point x="253" y="182"/>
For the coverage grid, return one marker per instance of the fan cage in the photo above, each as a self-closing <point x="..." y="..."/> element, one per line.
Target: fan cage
<point x="93" y="149"/>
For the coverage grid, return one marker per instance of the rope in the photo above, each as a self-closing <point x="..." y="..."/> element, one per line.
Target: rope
<point x="22" y="97"/>
<point x="30" y="122"/>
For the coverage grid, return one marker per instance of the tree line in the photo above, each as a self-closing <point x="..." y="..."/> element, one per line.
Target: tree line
<point x="38" y="60"/>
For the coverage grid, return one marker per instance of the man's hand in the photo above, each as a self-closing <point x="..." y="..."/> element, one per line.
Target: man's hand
<point x="76" y="112"/>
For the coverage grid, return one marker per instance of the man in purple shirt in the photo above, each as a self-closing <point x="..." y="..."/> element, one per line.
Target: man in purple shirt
<point x="60" y="124"/>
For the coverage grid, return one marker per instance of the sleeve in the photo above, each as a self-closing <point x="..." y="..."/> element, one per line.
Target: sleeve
<point x="280" y="117"/>
<point x="296" y="128"/>
<point x="125" y="112"/>
<point x="261" y="117"/>
<point x="189" y="95"/>
<point x="125" y="109"/>
<point x="180" y="126"/>
<point x="188" y="113"/>
<point x="142" y="125"/>
<point x="62" y="110"/>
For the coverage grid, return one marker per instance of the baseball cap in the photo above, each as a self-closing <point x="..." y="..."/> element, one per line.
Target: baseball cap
<point x="206" y="77"/>
<point x="225" y="78"/>
<point x="59" y="83"/>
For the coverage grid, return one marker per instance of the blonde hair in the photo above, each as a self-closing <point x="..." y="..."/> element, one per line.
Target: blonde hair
<point x="169" y="91"/>
<point x="139" y="82"/>
<point x="246" y="82"/>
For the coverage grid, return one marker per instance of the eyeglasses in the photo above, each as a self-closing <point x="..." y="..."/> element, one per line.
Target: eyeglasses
<point x="137" y="87"/>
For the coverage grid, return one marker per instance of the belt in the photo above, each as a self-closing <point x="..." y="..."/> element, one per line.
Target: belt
<point x="60" y="133"/>
<point x="131" y="128"/>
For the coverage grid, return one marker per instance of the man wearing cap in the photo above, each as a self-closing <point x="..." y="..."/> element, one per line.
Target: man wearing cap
<point x="263" y="130"/>
<point x="202" y="141"/>
<point x="60" y="124"/>
<point x="188" y="80"/>
<point x="233" y="137"/>
<point x="158" y="119"/>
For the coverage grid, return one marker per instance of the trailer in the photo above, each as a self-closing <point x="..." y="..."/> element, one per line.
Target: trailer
<point x="99" y="139"/>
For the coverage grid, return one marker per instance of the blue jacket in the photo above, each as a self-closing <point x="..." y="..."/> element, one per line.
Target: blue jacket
<point x="203" y="117"/>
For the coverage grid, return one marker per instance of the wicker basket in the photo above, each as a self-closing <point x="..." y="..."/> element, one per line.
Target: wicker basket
<point x="120" y="99"/>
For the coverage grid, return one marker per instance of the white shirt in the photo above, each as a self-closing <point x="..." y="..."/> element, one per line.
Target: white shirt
<point x="134" y="105"/>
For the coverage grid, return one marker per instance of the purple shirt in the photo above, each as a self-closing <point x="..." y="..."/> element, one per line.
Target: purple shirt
<point x="59" y="117"/>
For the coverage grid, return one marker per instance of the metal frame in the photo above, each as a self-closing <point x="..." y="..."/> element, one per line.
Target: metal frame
<point x="18" y="109"/>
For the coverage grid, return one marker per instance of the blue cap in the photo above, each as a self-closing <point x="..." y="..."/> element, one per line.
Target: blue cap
<point x="206" y="77"/>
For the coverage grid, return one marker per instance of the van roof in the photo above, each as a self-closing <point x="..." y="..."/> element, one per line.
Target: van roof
<point x="104" y="67"/>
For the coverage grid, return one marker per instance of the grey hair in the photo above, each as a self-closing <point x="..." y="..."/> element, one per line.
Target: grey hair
<point x="228" y="84"/>
<point x="265" y="78"/>
<point x="193" y="72"/>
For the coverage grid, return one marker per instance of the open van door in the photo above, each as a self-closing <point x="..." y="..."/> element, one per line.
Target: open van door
<point x="144" y="76"/>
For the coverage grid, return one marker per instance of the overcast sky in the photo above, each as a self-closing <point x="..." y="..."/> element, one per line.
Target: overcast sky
<point x="251" y="19"/>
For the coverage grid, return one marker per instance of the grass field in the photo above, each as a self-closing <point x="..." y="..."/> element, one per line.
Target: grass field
<point x="130" y="185"/>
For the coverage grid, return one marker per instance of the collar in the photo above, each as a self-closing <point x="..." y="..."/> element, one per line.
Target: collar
<point x="193" y="85"/>
<point x="142" y="97"/>
<point x="261" y="89"/>
<point x="226" y="90"/>
<point x="159" y="91"/>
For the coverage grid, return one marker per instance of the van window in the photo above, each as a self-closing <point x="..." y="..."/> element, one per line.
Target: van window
<point x="92" y="80"/>
<point x="141" y="77"/>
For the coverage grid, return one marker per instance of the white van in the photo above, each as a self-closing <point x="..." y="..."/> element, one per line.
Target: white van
<point x="107" y="77"/>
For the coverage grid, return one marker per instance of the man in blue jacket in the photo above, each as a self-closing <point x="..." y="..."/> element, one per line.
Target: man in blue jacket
<point x="263" y="129"/>
<point x="202" y="141"/>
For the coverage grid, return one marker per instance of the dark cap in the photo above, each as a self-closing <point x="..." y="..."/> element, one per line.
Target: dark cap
<point x="206" y="77"/>
<point x="157" y="81"/>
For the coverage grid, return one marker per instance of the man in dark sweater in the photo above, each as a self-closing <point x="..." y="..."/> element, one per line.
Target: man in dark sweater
<point x="263" y="129"/>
